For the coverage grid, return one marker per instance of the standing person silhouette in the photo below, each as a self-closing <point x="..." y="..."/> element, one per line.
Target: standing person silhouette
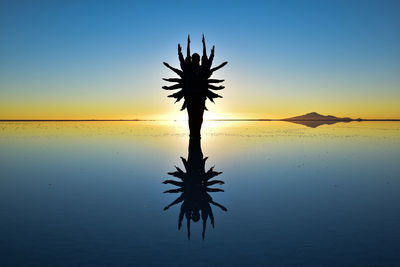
<point x="193" y="86"/>
<point x="195" y="99"/>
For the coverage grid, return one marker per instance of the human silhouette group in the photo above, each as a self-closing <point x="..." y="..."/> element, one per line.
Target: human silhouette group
<point x="195" y="84"/>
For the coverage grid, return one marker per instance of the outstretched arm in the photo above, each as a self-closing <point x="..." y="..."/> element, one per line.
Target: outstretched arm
<point x="218" y="205"/>
<point x="214" y="87"/>
<point x="204" y="46"/>
<point x="210" y="213"/>
<point x="204" y="58"/>
<point x="188" y="225"/>
<point x="204" y="216"/>
<point x="181" y="215"/>
<point x="210" y="60"/>
<point x="173" y="87"/>
<point x="179" y="72"/>
<point x="177" y="80"/>
<point x="210" y="183"/>
<point x="218" y="67"/>
<point x="209" y="80"/>
<point x="173" y="182"/>
<point x="188" y="49"/>
<point x="179" y="199"/>
<point x="181" y="59"/>
<point x="214" y="190"/>
<point x="174" y="190"/>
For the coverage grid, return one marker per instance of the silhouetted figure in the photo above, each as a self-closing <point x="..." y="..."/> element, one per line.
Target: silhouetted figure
<point x="194" y="188"/>
<point x="195" y="84"/>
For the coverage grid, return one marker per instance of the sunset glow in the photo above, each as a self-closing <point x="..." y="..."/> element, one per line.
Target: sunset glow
<point x="64" y="61"/>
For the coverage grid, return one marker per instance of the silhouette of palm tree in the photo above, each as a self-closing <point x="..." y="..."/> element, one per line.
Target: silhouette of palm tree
<point x="194" y="186"/>
<point x="195" y="84"/>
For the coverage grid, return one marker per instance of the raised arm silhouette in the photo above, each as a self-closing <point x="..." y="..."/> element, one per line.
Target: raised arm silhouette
<point x="195" y="84"/>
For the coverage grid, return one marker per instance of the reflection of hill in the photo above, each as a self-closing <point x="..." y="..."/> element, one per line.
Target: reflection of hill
<point x="315" y="124"/>
<point x="314" y="119"/>
<point x="194" y="185"/>
<point x="314" y="116"/>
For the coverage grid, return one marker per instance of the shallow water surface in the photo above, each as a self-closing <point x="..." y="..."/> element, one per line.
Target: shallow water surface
<point x="91" y="194"/>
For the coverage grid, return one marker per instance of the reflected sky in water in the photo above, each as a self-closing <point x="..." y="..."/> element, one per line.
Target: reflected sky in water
<point x="92" y="194"/>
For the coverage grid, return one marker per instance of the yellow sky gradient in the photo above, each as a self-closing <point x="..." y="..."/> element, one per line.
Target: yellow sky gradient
<point x="224" y="109"/>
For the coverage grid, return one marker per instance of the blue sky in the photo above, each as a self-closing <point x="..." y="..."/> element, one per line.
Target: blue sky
<point x="103" y="58"/>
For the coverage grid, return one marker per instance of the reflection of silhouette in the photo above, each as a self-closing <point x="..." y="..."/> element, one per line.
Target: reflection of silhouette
<point x="194" y="188"/>
<point x="195" y="84"/>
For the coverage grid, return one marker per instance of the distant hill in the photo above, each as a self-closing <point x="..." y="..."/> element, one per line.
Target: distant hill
<point x="314" y="116"/>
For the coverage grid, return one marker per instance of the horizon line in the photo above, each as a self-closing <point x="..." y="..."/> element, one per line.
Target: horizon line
<point x="138" y="120"/>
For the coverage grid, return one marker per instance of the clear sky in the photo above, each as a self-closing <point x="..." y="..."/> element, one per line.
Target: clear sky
<point x="95" y="59"/>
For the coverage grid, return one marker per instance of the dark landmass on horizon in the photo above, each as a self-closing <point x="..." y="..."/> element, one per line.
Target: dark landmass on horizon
<point x="314" y="116"/>
<point x="312" y="119"/>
